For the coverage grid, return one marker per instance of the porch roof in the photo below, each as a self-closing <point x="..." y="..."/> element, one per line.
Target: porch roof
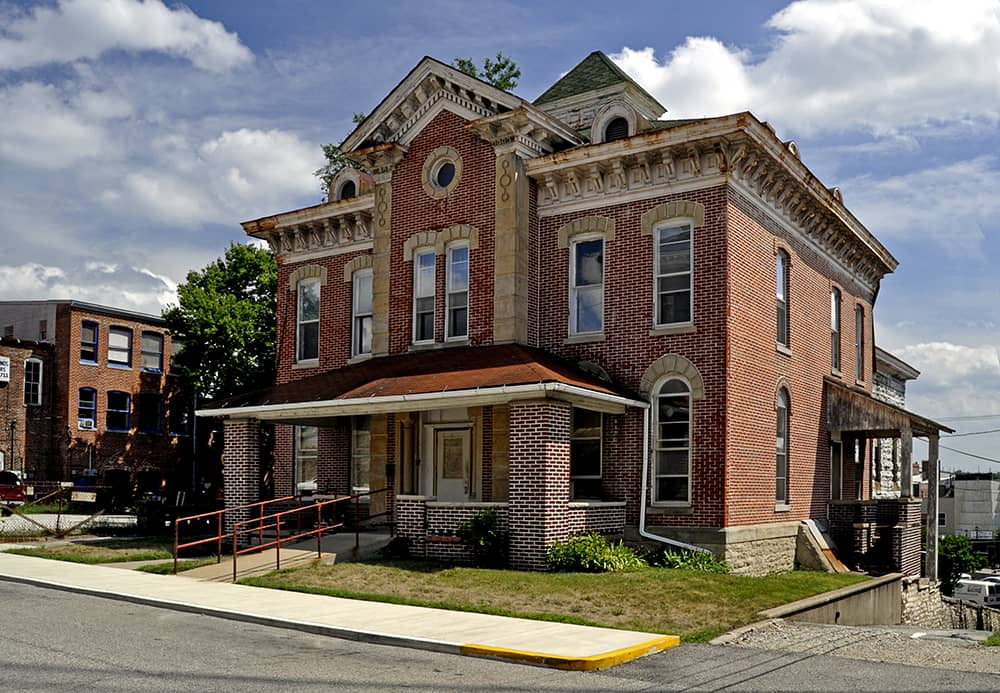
<point x="432" y="379"/>
<point x="855" y="410"/>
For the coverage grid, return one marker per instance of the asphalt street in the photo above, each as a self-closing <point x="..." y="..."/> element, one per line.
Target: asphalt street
<point x="61" y="641"/>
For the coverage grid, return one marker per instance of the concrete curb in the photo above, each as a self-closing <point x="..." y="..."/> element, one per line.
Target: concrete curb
<point x="599" y="661"/>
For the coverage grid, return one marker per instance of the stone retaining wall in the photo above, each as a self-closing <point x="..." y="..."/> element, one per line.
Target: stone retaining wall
<point x="924" y="605"/>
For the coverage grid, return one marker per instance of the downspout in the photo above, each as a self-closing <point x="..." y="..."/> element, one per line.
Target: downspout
<point x="645" y="485"/>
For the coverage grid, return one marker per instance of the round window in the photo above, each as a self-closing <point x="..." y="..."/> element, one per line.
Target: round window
<point x="444" y="175"/>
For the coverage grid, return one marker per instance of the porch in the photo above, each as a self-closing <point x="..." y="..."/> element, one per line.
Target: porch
<point x="505" y="428"/>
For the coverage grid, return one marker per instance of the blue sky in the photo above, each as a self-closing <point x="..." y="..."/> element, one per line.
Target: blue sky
<point x="137" y="135"/>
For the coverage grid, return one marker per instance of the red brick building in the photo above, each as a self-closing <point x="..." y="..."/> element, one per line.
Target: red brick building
<point x="111" y="409"/>
<point x="26" y="421"/>
<point x="580" y="315"/>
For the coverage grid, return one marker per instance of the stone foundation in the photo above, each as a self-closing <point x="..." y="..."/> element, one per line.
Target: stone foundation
<point x="751" y="550"/>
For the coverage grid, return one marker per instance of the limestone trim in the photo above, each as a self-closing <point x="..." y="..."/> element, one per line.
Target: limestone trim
<point x="673" y="365"/>
<point x="434" y="160"/>
<point x="592" y="224"/>
<point x="612" y="110"/>
<point x="306" y="272"/>
<point x="421" y="239"/>
<point x="359" y="262"/>
<point x="458" y="232"/>
<point x="678" y="209"/>
<point x="783" y="384"/>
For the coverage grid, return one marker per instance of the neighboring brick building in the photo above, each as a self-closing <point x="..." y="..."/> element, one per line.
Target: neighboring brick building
<point x="111" y="408"/>
<point x="578" y="314"/>
<point x="26" y="420"/>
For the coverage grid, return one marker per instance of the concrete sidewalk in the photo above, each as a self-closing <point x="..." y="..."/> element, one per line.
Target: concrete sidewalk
<point x="560" y="645"/>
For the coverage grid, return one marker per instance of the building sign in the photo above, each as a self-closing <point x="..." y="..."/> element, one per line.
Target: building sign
<point x="4" y="369"/>
<point x="83" y="497"/>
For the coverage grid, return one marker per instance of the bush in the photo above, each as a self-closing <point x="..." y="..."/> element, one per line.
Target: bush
<point x="591" y="553"/>
<point x="688" y="560"/>
<point x="483" y="535"/>
<point x="956" y="556"/>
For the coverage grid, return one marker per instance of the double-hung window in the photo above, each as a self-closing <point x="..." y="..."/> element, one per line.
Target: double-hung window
<point x="32" y="382"/>
<point x="306" y="456"/>
<point x="673" y="274"/>
<point x="361" y="439"/>
<point x="152" y="352"/>
<point x="307" y="327"/>
<point x="119" y="415"/>
<point x="672" y="443"/>
<point x="424" y="279"/>
<point x="586" y="284"/>
<point x="361" y="320"/>
<point x="585" y="455"/>
<point x="835" y="329"/>
<point x="179" y="420"/>
<point x="859" y="342"/>
<point x="781" y="291"/>
<point x="88" y="342"/>
<point x="457" y="292"/>
<point x="120" y="347"/>
<point x="86" y="410"/>
<point x="781" y="448"/>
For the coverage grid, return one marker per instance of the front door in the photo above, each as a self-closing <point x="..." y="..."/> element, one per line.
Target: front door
<point x="452" y="463"/>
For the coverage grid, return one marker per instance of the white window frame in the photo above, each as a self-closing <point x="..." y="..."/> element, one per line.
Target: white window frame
<point x="836" y="323"/>
<point x="417" y="256"/>
<point x="299" y="455"/>
<point x="79" y="398"/>
<point x="37" y="400"/>
<point x="784" y="450"/>
<point x="782" y="289"/>
<point x="356" y="315"/>
<point x="449" y="289"/>
<point x="299" y="322"/>
<point x="157" y="338"/>
<point x="859" y="342"/>
<point x="96" y="343"/>
<point x="657" y="445"/>
<point x="574" y="290"/>
<point x="125" y="331"/>
<point x="672" y="224"/>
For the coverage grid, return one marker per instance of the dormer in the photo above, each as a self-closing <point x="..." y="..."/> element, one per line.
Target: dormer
<point x="598" y="100"/>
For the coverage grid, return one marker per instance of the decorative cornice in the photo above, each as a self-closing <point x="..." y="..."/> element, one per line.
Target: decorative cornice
<point x="332" y="227"/>
<point x="527" y="131"/>
<point x="737" y="149"/>
<point x="380" y="160"/>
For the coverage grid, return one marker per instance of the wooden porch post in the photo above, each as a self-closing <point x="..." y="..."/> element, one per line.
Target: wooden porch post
<point x="933" y="477"/>
<point x="906" y="463"/>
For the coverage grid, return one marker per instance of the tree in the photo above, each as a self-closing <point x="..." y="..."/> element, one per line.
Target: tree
<point x="225" y="321"/>
<point x="956" y="556"/>
<point x="502" y="74"/>
<point x="335" y="162"/>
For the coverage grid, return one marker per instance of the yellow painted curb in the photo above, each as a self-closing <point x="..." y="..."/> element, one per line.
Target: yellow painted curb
<point x="600" y="661"/>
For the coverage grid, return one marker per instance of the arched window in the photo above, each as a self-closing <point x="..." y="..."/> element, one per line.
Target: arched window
<point x="781" y="448"/>
<point x="672" y="443"/>
<point x="672" y="267"/>
<point x="781" y="291"/>
<point x="835" y="329"/>
<point x="586" y="286"/>
<point x="617" y="129"/>
<point x="348" y="190"/>
<point x="859" y="342"/>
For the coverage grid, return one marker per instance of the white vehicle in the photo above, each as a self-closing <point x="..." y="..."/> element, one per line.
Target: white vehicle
<point x="981" y="592"/>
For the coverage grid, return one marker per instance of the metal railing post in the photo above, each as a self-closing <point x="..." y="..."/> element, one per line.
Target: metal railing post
<point x="218" y="552"/>
<point x="319" y="530"/>
<point x="277" y="545"/>
<point x="357" y="520"/>
<point x="235" y="554"/>
<point x="260" y="528"/>
<point x="177" y="540"/>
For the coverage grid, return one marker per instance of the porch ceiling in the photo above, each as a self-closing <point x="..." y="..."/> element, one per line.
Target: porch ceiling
<point x="856" y="411"/>
<point x="433" y="379"/>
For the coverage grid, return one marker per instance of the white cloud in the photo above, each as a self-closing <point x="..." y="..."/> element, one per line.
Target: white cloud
<point x="950" y="205"/>
<point x="955" y="380"/>
<point x="86" y="29"/>
<point x="122" y="287"/>
<point x="838" y="65"/>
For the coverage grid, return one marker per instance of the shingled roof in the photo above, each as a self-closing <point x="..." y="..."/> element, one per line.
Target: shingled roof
<point x="594" y="72"/>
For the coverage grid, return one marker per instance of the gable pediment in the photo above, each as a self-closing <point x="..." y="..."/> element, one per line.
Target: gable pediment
<point x="430" y="88"/>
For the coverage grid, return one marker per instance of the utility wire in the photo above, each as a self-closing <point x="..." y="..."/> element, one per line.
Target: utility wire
<point x="969" y="454"/>
<point x="974" y="433"/>
<point x="969" y="418"/>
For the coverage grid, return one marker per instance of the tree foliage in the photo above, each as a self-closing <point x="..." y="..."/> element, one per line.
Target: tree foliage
<point x="503" y="73"/>
<point x="225" y="320"/>
<point x="956" y="555"/>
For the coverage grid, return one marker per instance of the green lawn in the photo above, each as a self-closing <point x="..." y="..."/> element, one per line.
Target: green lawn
<point x="102" y="551"/>
<point x="182" y="565"/>
<point x="697" y="606"/>
<point x="992" y="641"/>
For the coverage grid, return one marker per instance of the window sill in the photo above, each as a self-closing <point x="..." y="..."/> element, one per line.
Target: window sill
<point x="301" y="365"/>
<point x="782" y="349"/>
<point x="667" y="330"/>
<point x="89" y="363"/>
<point x="670" y="508"/>
<point x="120" y="366"/>
<point x="836" y="373"/>
<point x="157" y="371"/>
<point x="588" y="338"/>
<point x="457" y="341"/>
<point x="360" y="358"/>
<point x="782" y="507"/>
<point x="425" y="346"/>
<point x="584" y="503"/>
<point x="859" y="383"/>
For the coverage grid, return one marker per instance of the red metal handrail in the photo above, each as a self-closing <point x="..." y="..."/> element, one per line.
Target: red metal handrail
<point x="274" y="521"/>
<point x="220" y="533"/>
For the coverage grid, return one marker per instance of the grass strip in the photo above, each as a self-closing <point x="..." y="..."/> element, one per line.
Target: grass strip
<point x="182" y="565"/>
<point x="992" y="641"/>
<point x="93" y="553"/>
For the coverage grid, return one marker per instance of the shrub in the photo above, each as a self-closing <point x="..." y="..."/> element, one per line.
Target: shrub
<point x="688" y="560"/>
<point x="488" y="542"/>
<point x="591" y="553"/>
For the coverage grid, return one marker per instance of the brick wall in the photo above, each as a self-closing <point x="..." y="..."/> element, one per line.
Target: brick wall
<point x="240" y="467"/>
<point x="430" y="527"/>
<point x="606" y="518"/>
<point x="33" y="426"/>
